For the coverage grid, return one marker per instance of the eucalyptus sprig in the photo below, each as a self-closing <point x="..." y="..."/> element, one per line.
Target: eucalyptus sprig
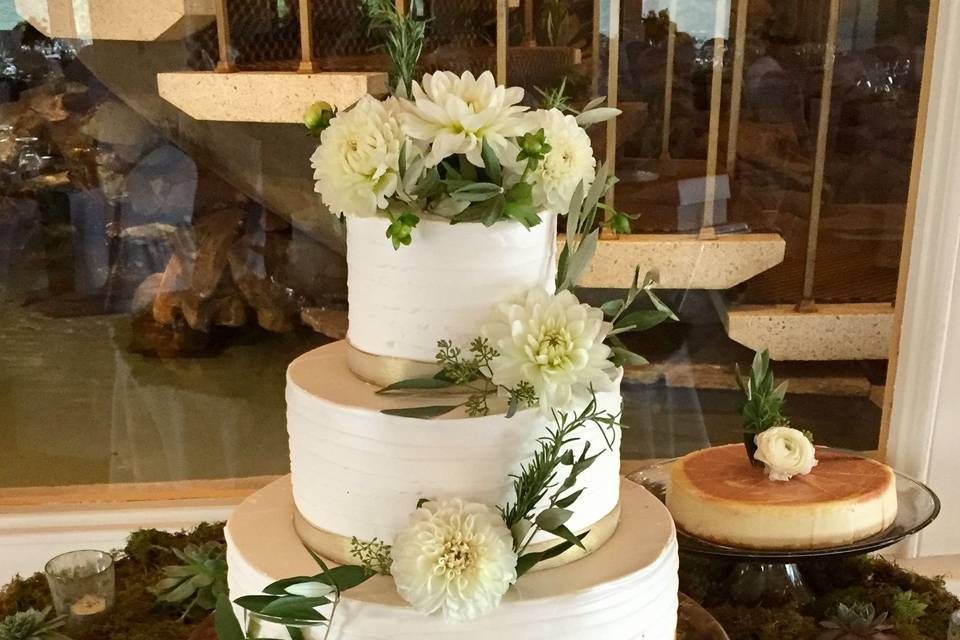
<point x="404" y="35"/>
<point x="582" y="233"/>
<point x="373" y="555"/>
<point x="472" y="373"/>
<point x="616" y="313"/>
<point x="293" y="601"/>
<point x="537" y="481"/>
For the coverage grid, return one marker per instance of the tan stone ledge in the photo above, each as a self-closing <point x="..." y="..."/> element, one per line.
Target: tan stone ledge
<point x="264" y="96"/>
<point x="683" y="260"/>
<point x="118" y="19"/>
<point x="832" y="332"/>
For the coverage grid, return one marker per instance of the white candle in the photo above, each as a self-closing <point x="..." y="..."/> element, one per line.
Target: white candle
<point x="88" y="605"/>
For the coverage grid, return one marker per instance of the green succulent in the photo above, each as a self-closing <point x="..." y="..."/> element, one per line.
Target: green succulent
<point x="762" y="407"/>
<point x="32" y="625"/>
<point x="858" y="621"/>
<point x="909" y="606"/>
<point x="198" y="582"/>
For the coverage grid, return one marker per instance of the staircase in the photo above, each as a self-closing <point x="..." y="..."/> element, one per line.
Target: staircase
<point x="225" y="102"/>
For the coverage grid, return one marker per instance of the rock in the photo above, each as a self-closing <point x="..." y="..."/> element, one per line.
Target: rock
<point x="121" y="128"/>
<point x="274" y="304"/>
<point x="174" y="280"/>
<point x="329" y="322"/>
<point x="216" y="232"/>
<point x="146" y="293"/>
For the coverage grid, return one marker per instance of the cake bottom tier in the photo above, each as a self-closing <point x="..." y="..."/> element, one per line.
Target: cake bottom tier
<point x="626" y="590"/>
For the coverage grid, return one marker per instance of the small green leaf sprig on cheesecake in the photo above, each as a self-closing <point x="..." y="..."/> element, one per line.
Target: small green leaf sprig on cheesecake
<point x="783" y="452"/>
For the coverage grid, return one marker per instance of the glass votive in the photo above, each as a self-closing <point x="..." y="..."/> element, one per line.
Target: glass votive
<point x="953" y="633"/>
<point x="81" y="583"/>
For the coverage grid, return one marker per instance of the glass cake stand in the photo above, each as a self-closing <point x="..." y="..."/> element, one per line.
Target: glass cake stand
<point x="771" y="576"/>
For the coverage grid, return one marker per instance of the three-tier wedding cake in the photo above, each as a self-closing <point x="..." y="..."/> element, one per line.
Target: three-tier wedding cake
<point x="456" y="458"/>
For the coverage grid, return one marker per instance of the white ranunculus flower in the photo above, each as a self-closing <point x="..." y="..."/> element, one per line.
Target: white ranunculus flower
<point x="569" y="161"/>
<point x="455" y="558"/>
<point x="554" y="343"/>
<point x="357" y="163"/>
<point x="786" y="452"/>
<point x="454" y="114"/>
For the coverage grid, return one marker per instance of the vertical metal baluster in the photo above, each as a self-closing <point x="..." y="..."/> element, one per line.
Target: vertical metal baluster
<point x="529" y="35"/>
<point x="826" y="96"/>
<point x="716" y="103"/>
<point x="736" y="90"/>
<point x="308" y="63"/>
<point x="224" y="64"/>
<point x="503" y="14"/>
<point x="613" y="89"/>
<point x="668" y="83"/>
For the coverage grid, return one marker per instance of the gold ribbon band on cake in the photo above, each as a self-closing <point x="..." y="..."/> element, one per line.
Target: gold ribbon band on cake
<point x="337" y="548"/>
<point x="385" y="370"/>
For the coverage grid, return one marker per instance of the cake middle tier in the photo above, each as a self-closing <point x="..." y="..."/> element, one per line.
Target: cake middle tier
<point x="360" y="473"/>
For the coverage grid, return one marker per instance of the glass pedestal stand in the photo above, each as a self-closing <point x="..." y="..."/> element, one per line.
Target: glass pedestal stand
<point x="773" y="576"/>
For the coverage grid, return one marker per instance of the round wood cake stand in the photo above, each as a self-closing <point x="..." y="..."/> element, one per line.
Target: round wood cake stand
<point x="772" y="576"/>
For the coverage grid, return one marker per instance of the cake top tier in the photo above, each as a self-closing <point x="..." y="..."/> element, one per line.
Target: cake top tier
<point x="724" y="473"/>
<point x="445" y="287"/>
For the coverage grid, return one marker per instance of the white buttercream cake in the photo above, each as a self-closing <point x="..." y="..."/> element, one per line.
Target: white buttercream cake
<point x="357" y="472"/>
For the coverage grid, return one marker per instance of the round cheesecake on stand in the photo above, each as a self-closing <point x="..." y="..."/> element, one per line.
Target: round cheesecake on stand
<point x="716" y="494"/>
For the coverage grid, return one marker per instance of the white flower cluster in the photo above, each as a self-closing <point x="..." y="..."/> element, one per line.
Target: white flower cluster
<point x="554" y="343"/>
<point x="357" y="166"/>
<point x="455" y="559"/>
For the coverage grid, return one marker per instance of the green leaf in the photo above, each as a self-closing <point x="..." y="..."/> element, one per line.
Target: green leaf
<point x="573" y="213"/>
<point x="641" y="320"/>
<point x="421" y="412"/>
<point x="416" y="384"/>
<point x="580" y="260"/>
<point x="491" y="163"/>
<point x="567" y="458"/>
<point x="422" y="501"/>
<point x="611" y="308"/>
<point x="477" y="192"/>
<point x="623" y="357"/>
<point x="225" y="621"/>
<point x="519" y="531"/>
<point x="512" y="406"/>
<point x="528" y="560"/>
<point x="296" y="608"/>
<point x="568" y="501"/>
<point x="569" y="536"/>
<point x="345" y="576"/>
<point x="427" y="184"/>
<point x="254" y="603"/>
<point x="553" y="518"/>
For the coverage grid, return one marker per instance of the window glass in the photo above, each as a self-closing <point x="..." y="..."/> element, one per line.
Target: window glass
<point x="159" y="268"/>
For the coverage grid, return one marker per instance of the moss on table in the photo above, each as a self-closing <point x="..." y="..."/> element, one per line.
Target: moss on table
<point x="138" y="616"/>
<point x="859" y="579"/>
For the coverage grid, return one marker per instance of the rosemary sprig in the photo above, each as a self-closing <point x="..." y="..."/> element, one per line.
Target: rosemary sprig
<point x="404" y="35"/>
<point x="537" y="482"/>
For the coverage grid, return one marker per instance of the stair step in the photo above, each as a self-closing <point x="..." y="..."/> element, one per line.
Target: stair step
<point x="684" y="261"/>
<point x="264" y="96"/>
<point x="832" y="332"/>
<point x="118" y="19"/>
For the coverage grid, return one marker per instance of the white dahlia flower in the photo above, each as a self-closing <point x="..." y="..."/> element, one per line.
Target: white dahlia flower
<point x="786" y="452"/>
<point x="357" y="163"/>
<point x="555" y="344"/>
<point x="454" y="114"/>
<point x="455" y="558"/>
<point x="569" y="161"/>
